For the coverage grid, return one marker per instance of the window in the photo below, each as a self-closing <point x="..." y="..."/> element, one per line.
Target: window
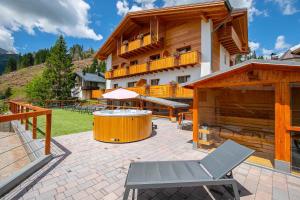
<point x="115" y="67"/>
<point x="134" y="62"/>
<point x="116" y="85"/>
<point x="155" y="57"/>
<point x="154" y="81"/>
<point x="131" y="84"/>
<point x="183" y="79"/>
<point x="184" y="49"/>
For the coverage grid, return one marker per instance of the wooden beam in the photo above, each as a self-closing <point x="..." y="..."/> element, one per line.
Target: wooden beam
<point x="34" y="127"/>
<point x="27" y="120"/>
<point x="195" y="116"/>
<point x="282" y="122"/>
<point x="48" y="134"/>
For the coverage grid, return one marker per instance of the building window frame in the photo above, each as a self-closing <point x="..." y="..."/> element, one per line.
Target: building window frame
<point x="183" y="79"/>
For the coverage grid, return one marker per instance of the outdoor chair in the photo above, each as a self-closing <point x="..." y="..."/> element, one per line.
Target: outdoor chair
<point x="215" y="169"/>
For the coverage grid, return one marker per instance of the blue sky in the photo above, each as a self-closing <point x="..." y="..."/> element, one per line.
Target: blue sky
<point x="274" y="25"/>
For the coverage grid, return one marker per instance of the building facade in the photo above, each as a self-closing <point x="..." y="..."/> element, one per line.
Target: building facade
<point x="154" y="51"/>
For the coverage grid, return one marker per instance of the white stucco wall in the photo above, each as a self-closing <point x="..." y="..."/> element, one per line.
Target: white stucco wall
<point x="165" y="77"/>
<point x="224" y="58"/>
<point x="206" y="49"/>
<point x="108" y="67"/>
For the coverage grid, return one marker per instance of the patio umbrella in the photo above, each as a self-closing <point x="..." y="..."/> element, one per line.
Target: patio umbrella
<point x="121" y="94"/>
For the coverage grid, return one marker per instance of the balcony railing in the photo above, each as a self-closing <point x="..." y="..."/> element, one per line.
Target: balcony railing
<point x="96" y="94"/>
<point x="163" y="63"/>
<point x="162" y="91"/>
<point x="120" y="72"/>
<point x="137" y="69"/>
<point x="189" y="58"/>
<point x="147" y="40"/>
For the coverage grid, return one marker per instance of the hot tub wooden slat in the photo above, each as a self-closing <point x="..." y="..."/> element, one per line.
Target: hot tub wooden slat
<point x="122" y="129"/>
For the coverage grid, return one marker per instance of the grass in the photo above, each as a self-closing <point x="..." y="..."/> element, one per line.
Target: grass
<point x="66" y="122"/>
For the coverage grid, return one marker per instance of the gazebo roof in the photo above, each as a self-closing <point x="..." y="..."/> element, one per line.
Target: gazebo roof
<point x="246" y="66"/>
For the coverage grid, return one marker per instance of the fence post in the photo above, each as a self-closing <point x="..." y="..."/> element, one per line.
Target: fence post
<point x="48" y="134"/>
<point x="34" y="123"/>
<point x="22" y="110"/>
<point x="26" y="120"/>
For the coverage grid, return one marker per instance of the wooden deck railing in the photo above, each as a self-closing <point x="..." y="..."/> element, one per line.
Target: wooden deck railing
<point x="23" y="111"/>
<point x="147" y="40"/>
<point x="96" y="94"/>
<point x="162" y="63"/>
<point x="162" y="91"/>
<point x="137" y="69"/>
<point x="134" y="44"/>
<point x="189" y="58"/>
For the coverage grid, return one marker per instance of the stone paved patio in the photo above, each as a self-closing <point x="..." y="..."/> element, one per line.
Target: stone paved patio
<point x="87" y="169"/>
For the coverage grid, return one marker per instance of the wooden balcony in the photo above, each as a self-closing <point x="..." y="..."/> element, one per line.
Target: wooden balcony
<point x="139" y="46"/>
<point x="108" y="75"/>
<point x="120" y="72"/>
<point x="163" y="63"/>
<point x="138" y="69"/>
<point x="139" y="90"/>
<point x="96" y="94"/>
<point x="230" y="40"/>
<point x="162" y="91"/>
<point x="189" y="58"/>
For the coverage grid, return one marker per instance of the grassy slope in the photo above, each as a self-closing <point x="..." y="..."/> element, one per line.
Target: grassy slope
<point x="18" y="80"/>
<point x="67" y="122"/>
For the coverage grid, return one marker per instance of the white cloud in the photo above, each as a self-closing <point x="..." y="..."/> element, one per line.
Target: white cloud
<point x="6" y="40"/>
<point x="280" y="43"/>
<point x="123" y="6"/>
<point x="254" y="45"/>
<point x="267" y="53"/>
<point x="66" y="17"/>
<point x="287" y="7"/>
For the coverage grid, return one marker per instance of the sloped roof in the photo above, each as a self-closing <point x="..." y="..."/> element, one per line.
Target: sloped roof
<point x="242" y="66"/>
<point x="292" y="53"/>
<point x="212" y="9"/>
<point x="92" y="77"/>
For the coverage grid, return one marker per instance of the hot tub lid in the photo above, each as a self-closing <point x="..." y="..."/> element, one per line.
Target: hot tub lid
<point x="129" y="112"/>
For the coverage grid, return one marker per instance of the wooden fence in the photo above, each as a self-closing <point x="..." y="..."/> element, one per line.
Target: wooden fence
<point x="23" y="111"/>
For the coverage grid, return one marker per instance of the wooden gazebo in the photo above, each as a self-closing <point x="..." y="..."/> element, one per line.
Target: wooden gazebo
<point x="256" y="100"/>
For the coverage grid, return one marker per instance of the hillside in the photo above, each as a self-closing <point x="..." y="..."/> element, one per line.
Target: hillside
<point x="17" y="80"/>
<point x="4" y="56"/>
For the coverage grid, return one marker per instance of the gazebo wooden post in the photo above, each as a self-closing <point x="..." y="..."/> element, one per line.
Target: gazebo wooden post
<point x="22" y="110"/>
<point x="195" y="117"/>
<point x="282" y="123"/>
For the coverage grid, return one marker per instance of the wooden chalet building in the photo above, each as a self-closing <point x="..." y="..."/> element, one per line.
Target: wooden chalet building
<point x="153" y="51"/>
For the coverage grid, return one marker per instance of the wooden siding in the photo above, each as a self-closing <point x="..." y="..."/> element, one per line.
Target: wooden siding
<point x="215" y="52"/>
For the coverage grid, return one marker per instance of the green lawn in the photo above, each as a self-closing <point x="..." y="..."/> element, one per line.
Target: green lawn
<point x="66" y="122"/>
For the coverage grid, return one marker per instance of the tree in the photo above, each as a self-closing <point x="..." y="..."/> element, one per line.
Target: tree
<point x="40" y="56"/>
<point x="59" y="70"/>
<point x="76" y="52"/>
<point x="39" y="89"/>
<point x="96" y="67"/>
<point x="26" y="60"/>
<point x="8" y="92"/>
<point x="11" y="65"/>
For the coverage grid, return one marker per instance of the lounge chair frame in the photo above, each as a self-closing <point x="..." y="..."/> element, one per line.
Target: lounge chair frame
<point x="205" y="177"/>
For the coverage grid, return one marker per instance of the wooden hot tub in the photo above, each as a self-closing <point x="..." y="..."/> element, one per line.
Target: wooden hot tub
<point x="121" y="126"/>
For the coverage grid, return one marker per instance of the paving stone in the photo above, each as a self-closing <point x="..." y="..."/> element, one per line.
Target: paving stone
<point x="96" y="170"/>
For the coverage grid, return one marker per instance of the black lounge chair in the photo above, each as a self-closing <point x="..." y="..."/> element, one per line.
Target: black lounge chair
<point x="215" y="169"/>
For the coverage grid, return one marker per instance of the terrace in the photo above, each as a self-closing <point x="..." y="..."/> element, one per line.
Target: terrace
<point x="83" y="168"/>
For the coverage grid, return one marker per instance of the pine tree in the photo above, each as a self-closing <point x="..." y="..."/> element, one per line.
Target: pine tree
<point x="11" y="65"/>
<point x="59" y="70"/>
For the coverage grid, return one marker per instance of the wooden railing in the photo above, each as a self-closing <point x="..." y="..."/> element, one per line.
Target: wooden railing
<point x="189" y="58"/>
<point x="137" y="69"/>
<point x="162" y="91"/>
<point x="134" y="44"/>
<point x="96" y="94"/>
<point x="139" y="90"/>
<point x="120" y="72"/>
<point x="24" y="111"/>
<point x="123" y="48"/>
<point x="162" y="63"/>
<point x="147" y="40"/>
<point x="108" y="75"/>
